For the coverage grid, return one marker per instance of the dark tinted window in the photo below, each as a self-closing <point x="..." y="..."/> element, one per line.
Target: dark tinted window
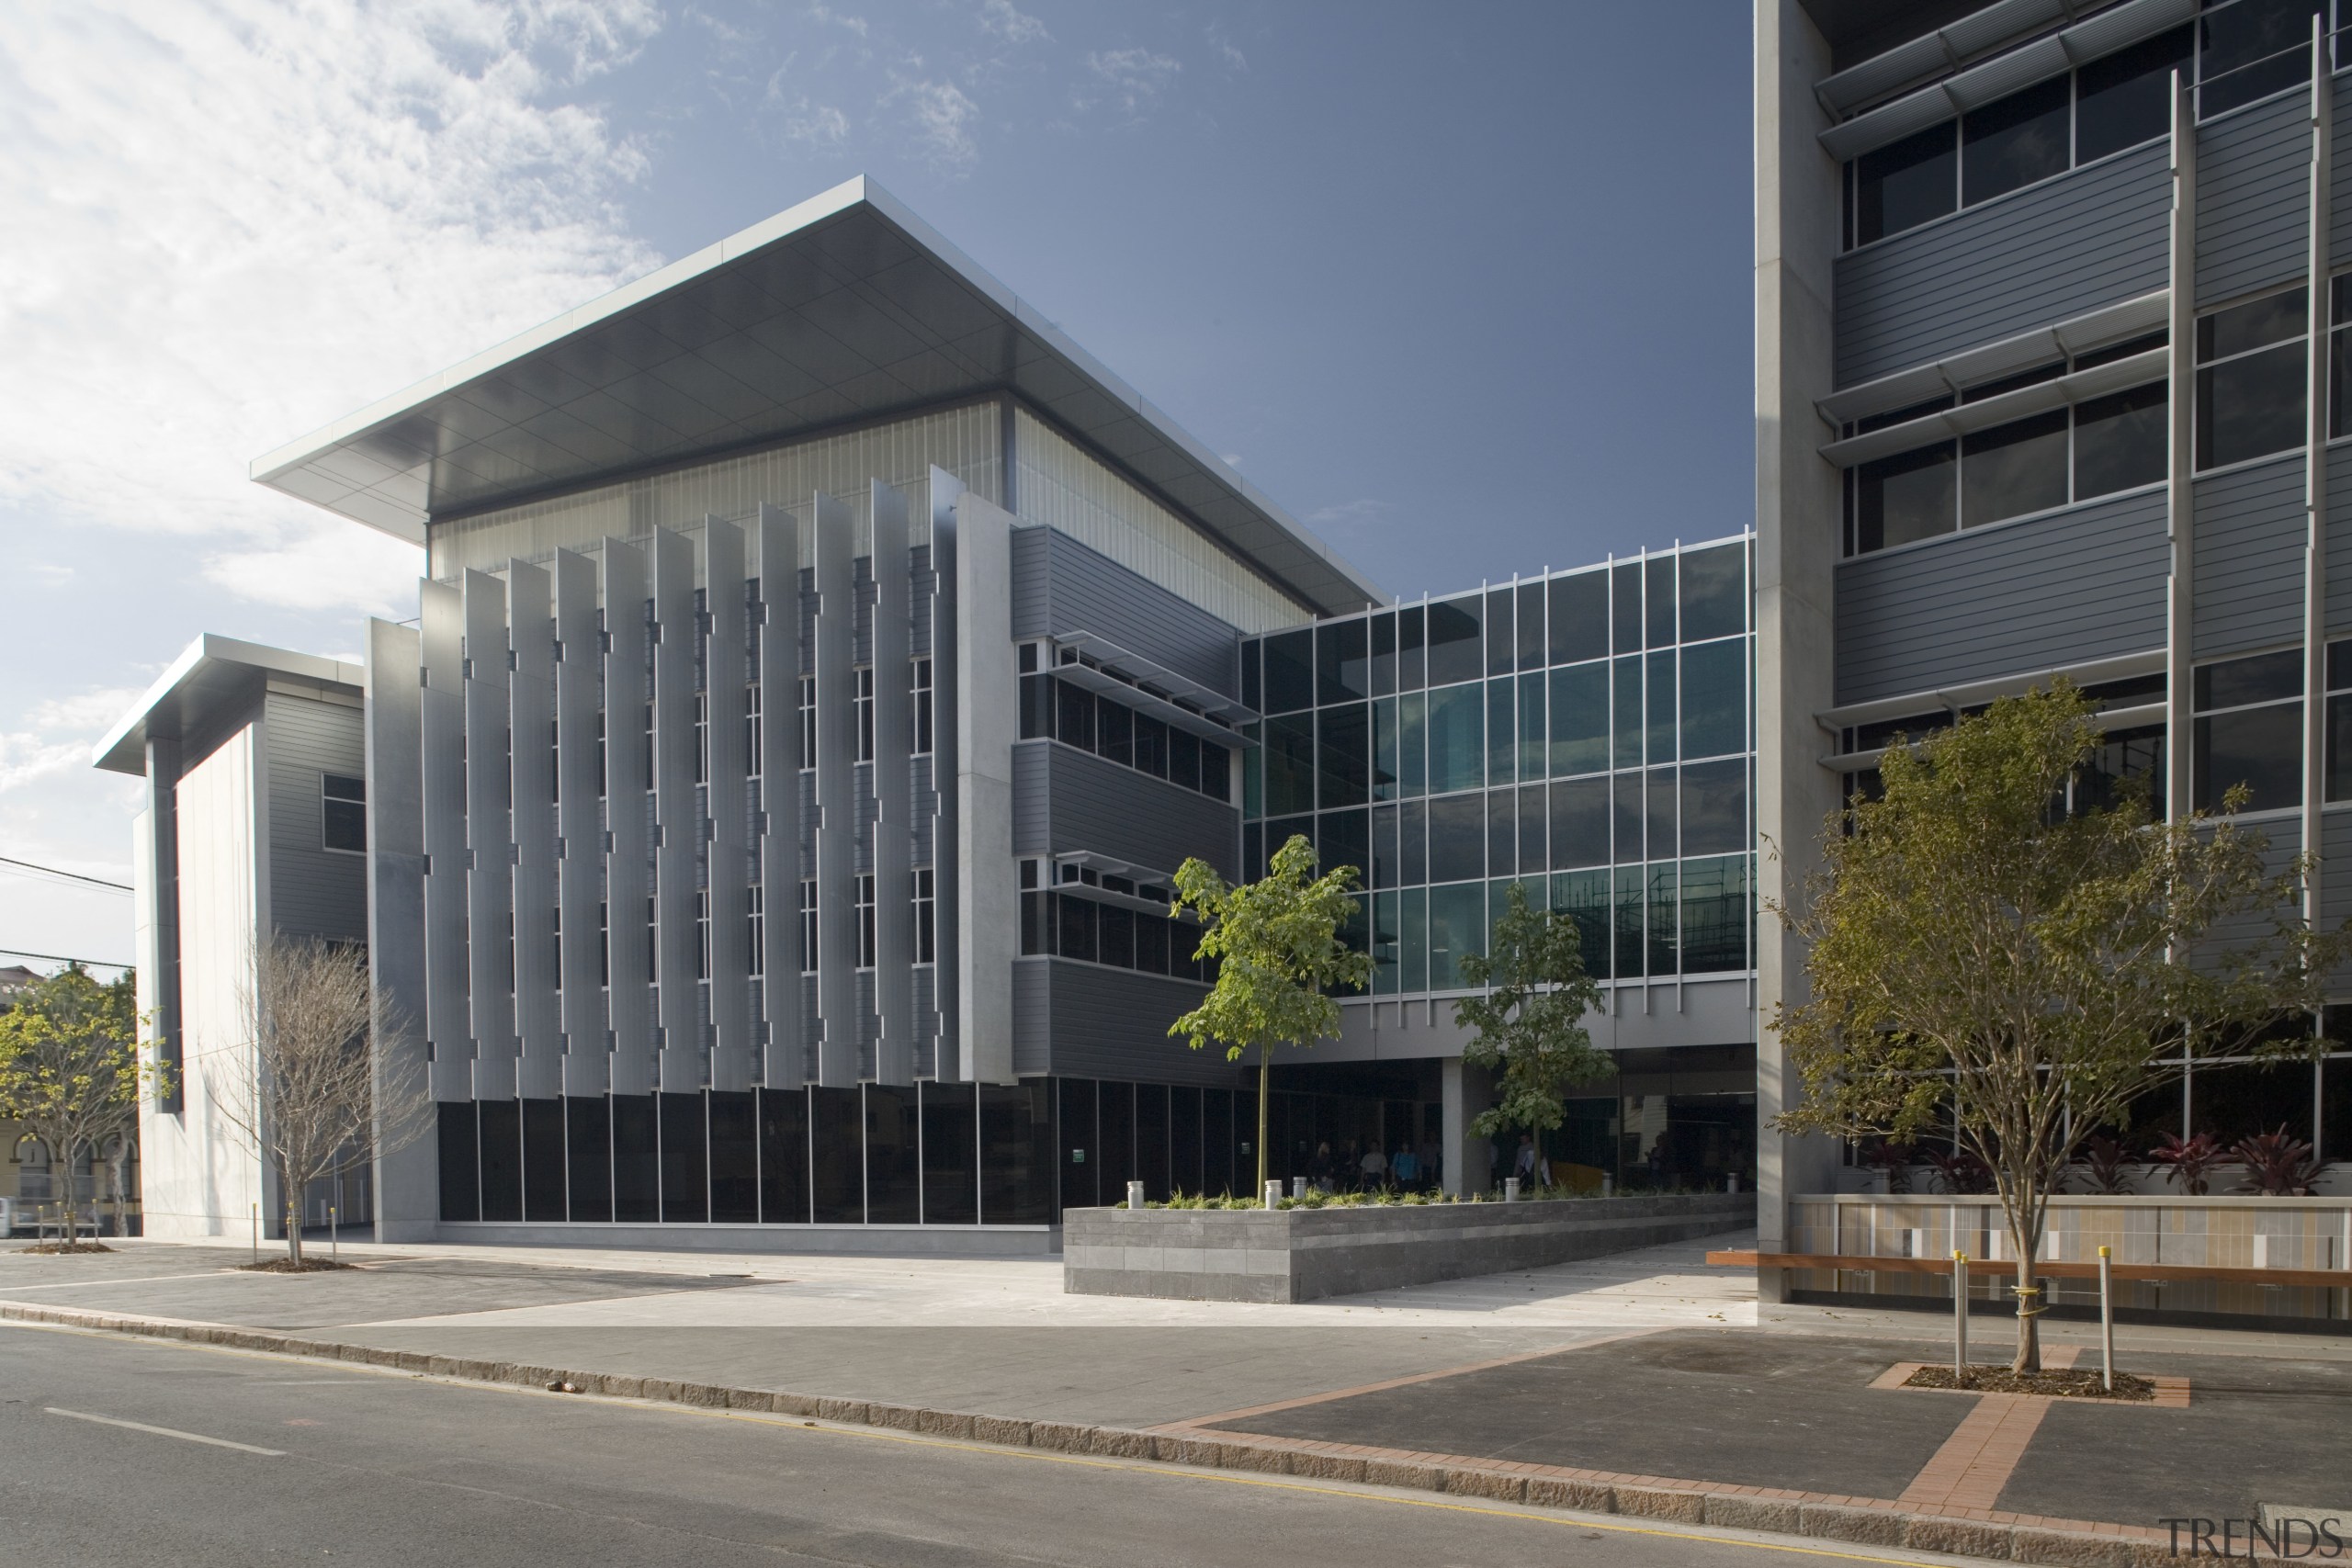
<point x="1252" y="694"/>
<point x="2263" y="678"/>
<point x="1580" y="718"/>
<point x="1579" y="824"/>
<point x="2128" y="348"/>
<point x="1906" y="184"/>
<point x="1409" y="651"/>
<point x="1343" y="755"/>
<point x="1341" y="671"/>
<point x="1457" y="838"/>
<point x="1183" y="757"/>
<point x="2126" y="98"/>
<point x="1502" y="647"/>
<point x="2260" y="748"/>
<point x="346" y="805"/>
<point x="2251" y="49"/>
<point x="2120" y="441"/>
<point x="1344" y="838"/>
<point x="1530" y="626"/>
<point x="1625" y="608"/>
<point x="2274" y="318"/>
<point x="1074" y="724"/>
<point x="1579" y="617"/>
<point x="1662" y="812"/>
<point x="1290" y="671"/>
<point x="1714" y="592"/>
<point x="1456" y="651"/>
<point x="1290" y="766"/>
<point x="2013" y="468"/>
<point x="2015" y="141"/>
<point x="1903" y="498"/>
<point x="2250" y="407"/>
<point x="1383" y="654"/>
<point x="1657" y="601"/>
<point x="1714" y="697"/>
<point x="1114" y="732"/>
<point x="1152" y="746"/>
<point x="1714" y="807"/>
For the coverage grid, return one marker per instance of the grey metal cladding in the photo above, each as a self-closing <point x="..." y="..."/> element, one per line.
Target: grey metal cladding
<point x="837" y="1054"/>
<point x="1089" y="592"/>
<point x="1033" y="804"/>
<point x="725" y="672"/>
<point x="580" y="881"/>
<point x="441" y="706"/>
<point x="2340" y="198"/>
<point x="2339" y="539"/>
<point x="2254" y="197"/>
<point x="537" y="1018"/>
<point x="630" y="936"/>
<point x="1033" y="1012"/>
<point x="1132" y="817"/>
<point x="490" y="878"/>
<point x="678" y="822"/>
<point x="395" y="861"/>
<point x="2249" y="558"/>
<point x="893" y="835"/>
<point x="780" y="796"/>
<point x="2336" y="848"/>
<point x="313" y="891"/>
<point x="1032" y="583"/>
<point x="1113" y="1023"/>
<point x="939" y="850"/>
<point x="2071" y="244"/>
<point x="2076" y="585"/>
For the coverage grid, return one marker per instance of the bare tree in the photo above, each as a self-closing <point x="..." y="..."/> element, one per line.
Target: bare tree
<point x="311" y="1092"/>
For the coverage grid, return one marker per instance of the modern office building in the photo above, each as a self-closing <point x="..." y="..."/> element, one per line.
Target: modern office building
<point x="2052" y="380"/>
<point x="822" y="666"/>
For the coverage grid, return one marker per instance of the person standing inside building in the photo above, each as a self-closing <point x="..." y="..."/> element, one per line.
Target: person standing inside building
<point x="1406" y="1167"/>
<point x="1375" y="1166"/>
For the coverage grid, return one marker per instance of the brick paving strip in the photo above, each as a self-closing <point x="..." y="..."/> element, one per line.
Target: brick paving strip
<point x="1953" y="1527"/>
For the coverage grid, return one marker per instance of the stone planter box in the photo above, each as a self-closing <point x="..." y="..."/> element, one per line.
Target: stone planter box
<point x="1301" y="1254"/>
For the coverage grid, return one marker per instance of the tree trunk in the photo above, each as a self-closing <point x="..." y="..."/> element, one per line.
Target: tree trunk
<point x="1265" y="1079"/>
<point x="2021" y="1205"/>
<point x="293" y="1196"/>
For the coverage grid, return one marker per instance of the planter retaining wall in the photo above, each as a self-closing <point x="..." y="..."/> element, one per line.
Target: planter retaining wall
<point x="1302" y="1254"/>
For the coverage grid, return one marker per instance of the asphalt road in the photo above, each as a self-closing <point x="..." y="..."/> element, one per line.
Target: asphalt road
<point x="107" y="1461"/>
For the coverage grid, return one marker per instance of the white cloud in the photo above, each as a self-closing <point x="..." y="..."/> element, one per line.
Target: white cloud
<point x="942" y="118"/>
<point x="1233" y="58"/>
<point x="1132" y="77"/>
<point x="822" y="14"/>
<point x="999" y="17"/>
<point x="815" y="125"/>
<point x="89" y="713"/>
<point x="1350" y="516"/>
<point x="233" y="220"/>
<point x="25" y="759"/>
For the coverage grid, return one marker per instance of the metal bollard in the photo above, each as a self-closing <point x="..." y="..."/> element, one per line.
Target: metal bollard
<point x="334" y="1238"/>
<point x="1274" y="1194"/>
<point x="1298" y="1187"/>
<point x="257" y="1232"/>
<point x="1958" y="1314"/>
<point x="2107" y="1319"/>
<point x="1510" y="1188"/>
<point x="1135" y="1194"/>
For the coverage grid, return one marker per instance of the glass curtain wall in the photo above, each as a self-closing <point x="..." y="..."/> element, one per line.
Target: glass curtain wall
<point x="1585" y="735"/>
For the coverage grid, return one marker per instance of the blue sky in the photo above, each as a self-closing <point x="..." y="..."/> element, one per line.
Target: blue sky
<point x="1458" y="284"/>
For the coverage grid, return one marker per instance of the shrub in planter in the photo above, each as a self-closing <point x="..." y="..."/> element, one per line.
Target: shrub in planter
<point x="2106" y="1164"/>
<point x="2189" y="1164"/>
<point x="2277" y="1166"/>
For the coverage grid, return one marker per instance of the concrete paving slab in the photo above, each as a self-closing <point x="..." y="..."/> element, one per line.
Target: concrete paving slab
<point x="1699" y="1405"/>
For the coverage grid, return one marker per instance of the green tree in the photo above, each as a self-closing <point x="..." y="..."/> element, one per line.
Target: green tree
<point x="1535" y="992"/>
<point x="1988" y="965"/>
<point x="1277" y="945"/>
<point x="70" y="1069"/>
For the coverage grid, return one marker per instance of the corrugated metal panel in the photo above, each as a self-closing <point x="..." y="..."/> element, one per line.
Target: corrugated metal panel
<point x="2339" y="539"/>
<point x="1132" y="817"/>
<point x="2249" y="572"/>
<point x="1113" y="1023"/>
<point x="313" y="891"/>
<point x="2080" y="241"/>
<point x="1032" y="798"/>
<point x="2078" y="585"/>
<point x="2254" y="197"/>
<point x="2335" y="879"/>
<point x="1032" y="583"/>
<point x="1092" y="592"/>
<point x="1032" y="1018"/>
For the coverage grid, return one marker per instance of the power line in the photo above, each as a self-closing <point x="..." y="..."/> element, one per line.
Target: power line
<point x="74" y="876"/>
<point x="56" y="958"/>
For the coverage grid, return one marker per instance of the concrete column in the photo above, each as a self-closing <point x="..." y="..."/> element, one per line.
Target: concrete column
<point x="786" y="1063"/>
<point x="836" y="677"/>
<point x="894" y="948"/>
<point x="725" y="674"/>
<point x="1463" y="1091"/>
<point x="580" y="829"/>
<point x="2322" y="183"/>
<point x="2181" y="490"/>
<point x="156" y="874"/>
<point x="1798" y="538"/>
<point x="628" y="847"/>
<point x="987" y="691"/>
<point x="407" y="1181"/>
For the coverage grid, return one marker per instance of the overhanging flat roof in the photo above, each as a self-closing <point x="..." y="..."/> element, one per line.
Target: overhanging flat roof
<point x="845" y="307"/>
<point x="210" y="675"/>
